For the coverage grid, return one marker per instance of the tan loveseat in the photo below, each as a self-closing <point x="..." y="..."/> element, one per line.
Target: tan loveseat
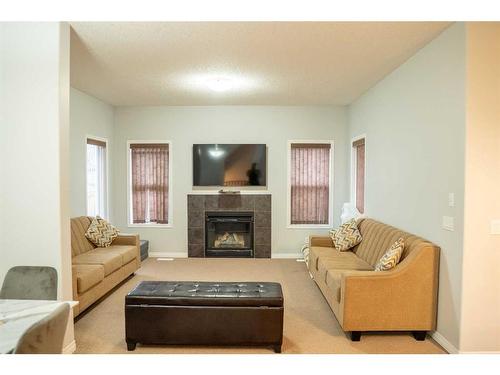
<point x="401" y="299"/>
<point x="98" y="270"/>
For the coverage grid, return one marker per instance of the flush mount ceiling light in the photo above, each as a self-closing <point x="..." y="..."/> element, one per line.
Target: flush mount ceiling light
<point x="218" y="82"/>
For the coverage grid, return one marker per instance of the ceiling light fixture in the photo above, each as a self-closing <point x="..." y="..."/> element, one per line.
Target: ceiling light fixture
<point x="219" y="84"/>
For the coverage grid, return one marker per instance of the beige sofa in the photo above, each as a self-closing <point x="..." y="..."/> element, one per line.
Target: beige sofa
<point x="98" y="270"/>
<point x="402" y="299"/>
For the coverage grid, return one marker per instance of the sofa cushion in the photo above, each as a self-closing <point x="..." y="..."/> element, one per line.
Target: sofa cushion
<point x="378" y="237"/>
<point x="127" y="253"/>
<point x="324" y="252"/>
<point x="110" y="261"/>
<point x="79" y="243"/>
<point x="333" y="278"/>
<point x="87" y="276"/>
<point x="100" y="232"/>
<point x="346" y="236"/>
<point x="351" y="262"/>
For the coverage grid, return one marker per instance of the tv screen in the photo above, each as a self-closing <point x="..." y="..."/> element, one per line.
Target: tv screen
<point x="229" y="165"/>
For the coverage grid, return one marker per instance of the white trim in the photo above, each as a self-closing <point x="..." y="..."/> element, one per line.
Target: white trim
<point x="441" y="340"/>
<point x="70" y="348"/>
<point x="287" y="256"/>
<point x="170" y="223"/>
<point x="167" y="254"/>
<point x="289" y="225"/>
<point x="353" y="171"/>
<point x="105" y="140"/>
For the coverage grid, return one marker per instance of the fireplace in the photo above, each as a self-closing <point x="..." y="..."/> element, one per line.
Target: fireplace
<point x="229" y="234"/>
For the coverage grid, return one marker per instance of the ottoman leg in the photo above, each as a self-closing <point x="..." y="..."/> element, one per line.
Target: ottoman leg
<point x="131" y="345"/>
<point x="277" y="348"/>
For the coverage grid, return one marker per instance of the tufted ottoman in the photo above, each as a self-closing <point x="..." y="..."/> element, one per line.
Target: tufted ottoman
<point x="204" y="313"/>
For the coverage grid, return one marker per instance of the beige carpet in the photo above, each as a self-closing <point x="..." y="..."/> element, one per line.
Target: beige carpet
<point x="310" y="326"/>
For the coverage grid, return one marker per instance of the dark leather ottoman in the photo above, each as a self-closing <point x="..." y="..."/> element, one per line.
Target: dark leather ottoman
<point x="204" y="313"/>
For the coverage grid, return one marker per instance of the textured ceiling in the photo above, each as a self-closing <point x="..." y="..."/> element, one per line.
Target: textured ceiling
<point x="271" y="63"/>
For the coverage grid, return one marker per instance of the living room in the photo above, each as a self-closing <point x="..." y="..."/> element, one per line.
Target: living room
<point x="343" y="175"/>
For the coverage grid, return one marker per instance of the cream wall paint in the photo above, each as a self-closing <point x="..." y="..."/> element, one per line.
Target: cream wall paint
<point x="185" y="126"/>
<point x="34" y="144"/>
<point x="480" y="325"/>
<point x="414" y="121"/>
<point x="89" y="117"/>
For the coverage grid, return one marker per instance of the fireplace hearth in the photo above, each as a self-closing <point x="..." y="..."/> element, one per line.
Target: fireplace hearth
<point x="229" y="234"/>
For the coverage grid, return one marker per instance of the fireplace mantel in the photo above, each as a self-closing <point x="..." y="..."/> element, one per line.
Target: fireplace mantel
<point x="259" y="204"/>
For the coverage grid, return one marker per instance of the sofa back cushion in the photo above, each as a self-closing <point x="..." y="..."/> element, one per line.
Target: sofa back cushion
<point x="79" y="243"/>
<point x="378" y="238"/>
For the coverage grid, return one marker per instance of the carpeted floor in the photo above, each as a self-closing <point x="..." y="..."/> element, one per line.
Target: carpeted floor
<point x="310" y="326"/>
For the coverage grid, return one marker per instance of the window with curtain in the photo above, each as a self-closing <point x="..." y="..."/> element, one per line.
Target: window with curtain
<point x="149" y="175"/>
<point x="96" y="178"/>
<point x="359" y="173"/>
<point x="310" y="183"/>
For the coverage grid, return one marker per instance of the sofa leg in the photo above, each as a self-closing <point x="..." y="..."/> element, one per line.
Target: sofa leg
<point x="355" y="335"/>
<point x="277" y="348"/>
<point x="131" y="345"/>
<point x="419" y="335"/>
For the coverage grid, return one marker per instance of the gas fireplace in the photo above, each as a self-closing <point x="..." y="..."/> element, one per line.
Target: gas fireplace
<point x="229" y="234"/>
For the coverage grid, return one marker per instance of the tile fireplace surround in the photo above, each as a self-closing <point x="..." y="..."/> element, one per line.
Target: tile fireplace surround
<point x="259" y="204"/>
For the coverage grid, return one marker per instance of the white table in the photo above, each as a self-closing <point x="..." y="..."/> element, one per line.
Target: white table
<point x="17" y="315"/>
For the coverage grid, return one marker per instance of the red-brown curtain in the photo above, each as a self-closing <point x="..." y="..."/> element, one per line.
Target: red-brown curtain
<point x="310" y="183"/>
<point x="360" y="178"/>
<point x="149" y="183"/>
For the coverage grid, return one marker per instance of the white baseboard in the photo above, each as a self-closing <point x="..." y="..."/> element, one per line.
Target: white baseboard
<point x="165" y="254"/>
<point x="441" y="340"/>
<point x="287" y="256"/>
<point x="70" y="348"/>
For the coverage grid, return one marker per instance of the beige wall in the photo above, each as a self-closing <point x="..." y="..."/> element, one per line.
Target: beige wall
<point x="480" y="325"/>
<point x="34" y="143"/>
<point x="185" y="126"/>
<point x="88" y="117"/>
<point x="414" y="121"/>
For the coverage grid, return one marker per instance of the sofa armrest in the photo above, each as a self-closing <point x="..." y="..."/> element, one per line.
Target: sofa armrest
<point x="320" y="241"/>
<point x="403" y="298"/>
<point x="127" y="239"/>
<point x="74" y="283"/>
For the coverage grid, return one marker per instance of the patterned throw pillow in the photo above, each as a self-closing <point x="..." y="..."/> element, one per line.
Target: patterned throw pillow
<point x="101" y="233"/>
<point x="346" y="236"/>
<point x="391" y="257"/>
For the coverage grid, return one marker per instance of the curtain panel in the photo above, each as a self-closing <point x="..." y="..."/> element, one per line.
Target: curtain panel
<point x="149" y="167"/>
<point x="310" y="183"/>
<point x="360" y="177"/>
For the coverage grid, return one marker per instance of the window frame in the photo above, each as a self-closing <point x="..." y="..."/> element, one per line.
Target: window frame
<point x="130" y="223"/>
<point x="106" y="162"/>
<point x="354" y="165"/>
<point x="330" y="187"/>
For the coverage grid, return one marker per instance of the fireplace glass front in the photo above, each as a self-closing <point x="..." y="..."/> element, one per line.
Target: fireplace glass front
<point x="229" y="234"/>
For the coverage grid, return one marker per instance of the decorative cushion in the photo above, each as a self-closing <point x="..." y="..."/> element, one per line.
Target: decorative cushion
<point x="101" y="233"/>
<point x="391" y="257"/>
<point x="346" y="236"/>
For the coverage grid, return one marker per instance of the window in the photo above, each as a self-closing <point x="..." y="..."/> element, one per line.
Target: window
<point x="358" y="147"/>
<point x="150" y="183"/>
<point x="310" y="183"/>
<point x="96" y="178"/>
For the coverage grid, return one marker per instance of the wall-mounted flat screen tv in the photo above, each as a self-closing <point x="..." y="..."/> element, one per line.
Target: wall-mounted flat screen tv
<point x="229" y="165"/>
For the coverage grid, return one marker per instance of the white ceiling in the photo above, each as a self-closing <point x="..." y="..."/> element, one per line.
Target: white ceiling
<point x="270" y="63"/>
